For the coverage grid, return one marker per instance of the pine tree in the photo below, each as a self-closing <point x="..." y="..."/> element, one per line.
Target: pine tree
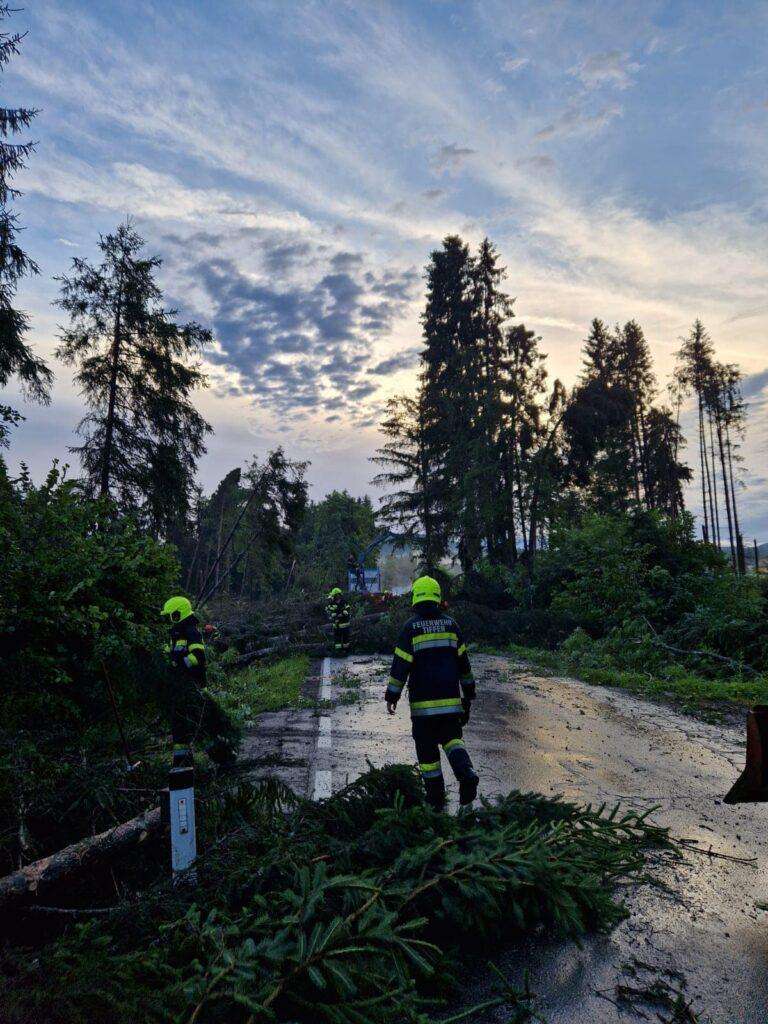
<point x="136" y="371"/>
<point x="413" y="509"/>
<point x="634" y="372"/>
<point x="16" y="356"/>
<point x="666" y="474"/>
<point x="449" y="380"/>
<point x="487" y="373"/>
<point x="600" y="438"/>
<point x="524" y="386"/>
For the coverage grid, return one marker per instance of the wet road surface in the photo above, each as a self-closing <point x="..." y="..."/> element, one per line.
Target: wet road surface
<point x="556" y="735"/>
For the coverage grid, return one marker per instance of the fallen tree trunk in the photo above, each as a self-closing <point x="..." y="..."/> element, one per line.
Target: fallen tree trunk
<point x="29" y="883"/>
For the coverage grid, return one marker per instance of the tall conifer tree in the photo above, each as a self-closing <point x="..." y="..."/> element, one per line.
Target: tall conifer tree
<point x="16" y="356"/>
<point x="136" y="369"/>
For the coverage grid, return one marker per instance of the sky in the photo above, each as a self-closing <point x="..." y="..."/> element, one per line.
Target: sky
<point x="294" y="164"/>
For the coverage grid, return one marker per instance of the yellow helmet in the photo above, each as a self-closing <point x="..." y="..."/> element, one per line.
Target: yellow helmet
<point x="426" y="589"/>
<point x="176" y="609"/>
<point x="336" y="592"/>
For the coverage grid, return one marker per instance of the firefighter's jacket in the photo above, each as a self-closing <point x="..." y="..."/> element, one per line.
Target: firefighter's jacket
<point x="339" y="612"/>
<point x="187" y="650"/>
<point x="432" y="659"/>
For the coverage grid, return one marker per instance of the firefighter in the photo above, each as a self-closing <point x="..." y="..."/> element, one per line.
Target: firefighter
<point x="186" y="651"/>
<point x="432" y="659"/>
<point x="339" y="613"/>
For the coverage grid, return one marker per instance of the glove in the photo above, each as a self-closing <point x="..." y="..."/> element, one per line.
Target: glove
<point x="466" y="705"/>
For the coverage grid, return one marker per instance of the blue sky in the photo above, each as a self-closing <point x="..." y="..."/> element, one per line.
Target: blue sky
<point x="295" y="162"/>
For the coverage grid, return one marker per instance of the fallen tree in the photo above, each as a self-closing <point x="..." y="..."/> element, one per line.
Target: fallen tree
<point x="357" y="910"/>
<point x="44" y="876"/>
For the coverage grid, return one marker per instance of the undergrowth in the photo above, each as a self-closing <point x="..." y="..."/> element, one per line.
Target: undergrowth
<point x="362" y="909"/>
<point x="587" y="660"/>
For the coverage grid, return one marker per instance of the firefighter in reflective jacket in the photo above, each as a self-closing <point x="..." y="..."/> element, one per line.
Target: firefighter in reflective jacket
<point x="186" y="652"/>
<point x="432" y="659"/>
<point x="339" y="613"/>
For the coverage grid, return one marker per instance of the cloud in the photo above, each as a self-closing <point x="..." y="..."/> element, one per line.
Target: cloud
<point x="754" y="385"/>
<point x="300" y="345"/>
<point x="433" y="193"/>
<point x="66" y="241"/>
<point x="575" y="120"/>
<point x="513" y="64"/>
<point x="451" y="158"/>
<point x="747" y="314"/>
<point x="538" y="161"/>
<point x="400" y="361"/>
<point x="611" y="68"/>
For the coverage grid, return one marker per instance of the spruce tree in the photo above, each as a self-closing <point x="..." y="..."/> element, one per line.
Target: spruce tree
<point x="694" y="374"/>
<point x="413" y="508"/>
<point x="487" y="374"/>
<point x="524" y="386"/>
<point x="137" y="370"/>
<point x="16" y="356"/>
<point x="449" y="393"/>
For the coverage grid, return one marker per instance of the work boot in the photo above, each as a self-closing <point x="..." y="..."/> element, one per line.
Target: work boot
<point x="435" y="793"/>
<point x="468" y="788"/>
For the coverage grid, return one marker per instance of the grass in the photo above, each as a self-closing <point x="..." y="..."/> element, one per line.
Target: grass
<point x="274" y="687"/>
<point x="689" y="691"/>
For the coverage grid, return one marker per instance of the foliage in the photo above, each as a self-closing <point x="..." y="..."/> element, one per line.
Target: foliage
<point x="16" y="356"/>
<point x="244" y="539"/>
<point x="79" y="612"/>
<point x="333" y="529"/>
<point x="608" y="570"/>
<point x="354" y="911"/>
<point x="135" y="369"/>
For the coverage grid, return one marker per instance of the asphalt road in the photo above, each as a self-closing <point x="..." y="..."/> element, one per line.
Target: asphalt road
<point x="699" y="929"/>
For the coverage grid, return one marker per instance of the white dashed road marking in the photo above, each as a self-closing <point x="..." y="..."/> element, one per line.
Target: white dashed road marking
<point x="325" y="680"/>
<point x="324" y="739"/>
<point x="323" y="786"/>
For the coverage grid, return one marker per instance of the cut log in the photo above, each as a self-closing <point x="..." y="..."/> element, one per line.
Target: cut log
<point x="41" y="877"/>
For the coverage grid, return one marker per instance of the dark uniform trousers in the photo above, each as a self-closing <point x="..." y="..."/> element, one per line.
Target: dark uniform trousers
<point x="429" y="734"/>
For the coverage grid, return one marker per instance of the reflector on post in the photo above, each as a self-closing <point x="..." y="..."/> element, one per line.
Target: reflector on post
<point x="181" y="801"/>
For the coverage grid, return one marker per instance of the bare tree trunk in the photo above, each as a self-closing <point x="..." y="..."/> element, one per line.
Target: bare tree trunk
<point x="106" y="460"/>
<point x="721" y="445"/>
<point x="714" y="481"/>
<point x="702" y="453"/>
<point x="737" y="526"/>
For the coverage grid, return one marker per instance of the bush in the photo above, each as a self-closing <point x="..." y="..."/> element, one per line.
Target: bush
<point x="81" y="596"/>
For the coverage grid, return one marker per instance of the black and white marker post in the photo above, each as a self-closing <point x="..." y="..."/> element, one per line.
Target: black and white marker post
<point x="181" y="819"/>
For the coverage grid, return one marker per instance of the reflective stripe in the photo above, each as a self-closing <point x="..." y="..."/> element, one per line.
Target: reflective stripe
<point x="191" y="661"/>
<point x="197" y="647"/>
<point x="428" y="712"/>
<point x="400" y="653"/>
<point x="425" y="637"/>
<point x="180" y="645"/>
<point x="394" y="684"/>
<point x="446" y="702"/>
<point x="462" y="649"/>
<point x="431" y="771"/>
<point x="452" y="745"/>
<point x="433" y="643"/>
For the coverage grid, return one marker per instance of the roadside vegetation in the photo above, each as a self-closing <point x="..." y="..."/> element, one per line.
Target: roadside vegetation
<point x="258" y="688"/>
<point x="365" y="909"/>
